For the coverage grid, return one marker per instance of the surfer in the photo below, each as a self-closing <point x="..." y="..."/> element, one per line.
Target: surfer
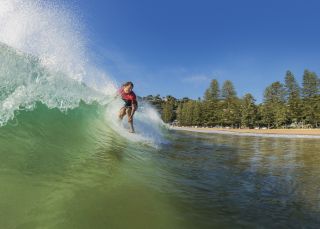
<point x="130" y="103"/>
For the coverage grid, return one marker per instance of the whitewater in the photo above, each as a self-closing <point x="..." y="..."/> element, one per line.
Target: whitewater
<point x="44" y="60"/>
<point x="59" y="130"/>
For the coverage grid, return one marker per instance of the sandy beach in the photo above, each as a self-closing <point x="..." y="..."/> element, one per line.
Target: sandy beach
<point x="314" y="133"/>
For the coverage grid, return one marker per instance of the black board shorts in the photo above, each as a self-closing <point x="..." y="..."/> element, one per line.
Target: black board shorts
<point x="127" y="103"/>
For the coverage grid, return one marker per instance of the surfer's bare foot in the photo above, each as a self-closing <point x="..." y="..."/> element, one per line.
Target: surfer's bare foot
<point x="131" y="131"/>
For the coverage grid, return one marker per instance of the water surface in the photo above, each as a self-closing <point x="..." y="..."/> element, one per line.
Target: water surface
<point x="66" y="175"/>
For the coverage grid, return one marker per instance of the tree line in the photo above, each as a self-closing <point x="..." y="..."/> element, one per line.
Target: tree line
<point x="285" y="105"/>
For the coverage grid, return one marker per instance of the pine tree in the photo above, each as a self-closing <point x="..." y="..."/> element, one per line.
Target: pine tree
<point x="267" y="116"/>
<point x="275" y="93"/>
<point x="310" y="84"/>
<point x="188" y="113"/>
<point x="274" y="109"/>
<point x="168" y="111"/>
<point x="210" y="104"/>
<point x="317" y="111"/>
<point x="294" y="106"/>
<point x="210" y="113"/>
<point x="197" y="113"/>
<point x="230" y="105"/>
<point x="248" y="111"/>
<point x="180" y="114"/>
<point x="310" y="98"/>
<point x="213" y="92"/>
<point x="228" y="91"/>
<point x="291" y="86"/>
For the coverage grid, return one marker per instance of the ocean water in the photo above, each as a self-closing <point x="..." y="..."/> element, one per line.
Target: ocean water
<point x="71" y="170"/>
<point x="66" y="161"/>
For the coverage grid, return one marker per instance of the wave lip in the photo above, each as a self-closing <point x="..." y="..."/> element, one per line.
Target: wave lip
<point x="26" y="81"/>
<point x="48" y="30"/>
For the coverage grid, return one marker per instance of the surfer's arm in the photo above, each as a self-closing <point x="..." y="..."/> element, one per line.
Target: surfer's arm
<point x="134" y="108"/>
<point x="134" y="104"/>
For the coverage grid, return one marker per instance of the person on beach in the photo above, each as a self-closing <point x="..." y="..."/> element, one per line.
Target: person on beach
<point x="130" y="103"/>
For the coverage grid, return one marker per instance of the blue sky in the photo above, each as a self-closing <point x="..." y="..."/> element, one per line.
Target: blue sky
<point x="177" y="47"/>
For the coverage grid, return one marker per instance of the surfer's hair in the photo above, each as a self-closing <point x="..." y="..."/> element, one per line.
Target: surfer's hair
<point x="127" y="84"/>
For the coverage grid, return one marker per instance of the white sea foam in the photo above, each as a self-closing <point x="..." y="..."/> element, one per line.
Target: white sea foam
<point x="48" y="31"/>
<point x="147" y="123"/>
<point x="44" y="58"/>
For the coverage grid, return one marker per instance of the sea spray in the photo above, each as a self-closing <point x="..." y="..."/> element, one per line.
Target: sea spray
<point x="46" y="30"/>
<point x="43" y="58"/>
<point x="57" y="142"/>
<point x="24" y="81"/>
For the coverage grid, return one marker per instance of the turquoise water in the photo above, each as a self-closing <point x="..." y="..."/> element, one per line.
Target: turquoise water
<point x="70" y="170"/>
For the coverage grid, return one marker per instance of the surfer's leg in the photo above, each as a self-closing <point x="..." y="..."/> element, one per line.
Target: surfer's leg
<point x="129" y="109"/>
<point x="122" y="113"/>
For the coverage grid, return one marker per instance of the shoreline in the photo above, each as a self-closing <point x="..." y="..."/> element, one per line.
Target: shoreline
<point x="287" y="133"/>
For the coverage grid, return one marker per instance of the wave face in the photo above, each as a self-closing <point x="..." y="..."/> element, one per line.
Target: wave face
<point x="62" y="151"/>
<point x="26" y="83"/>
<point x="60" y="138"/>
<point x="44" y="59"/>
